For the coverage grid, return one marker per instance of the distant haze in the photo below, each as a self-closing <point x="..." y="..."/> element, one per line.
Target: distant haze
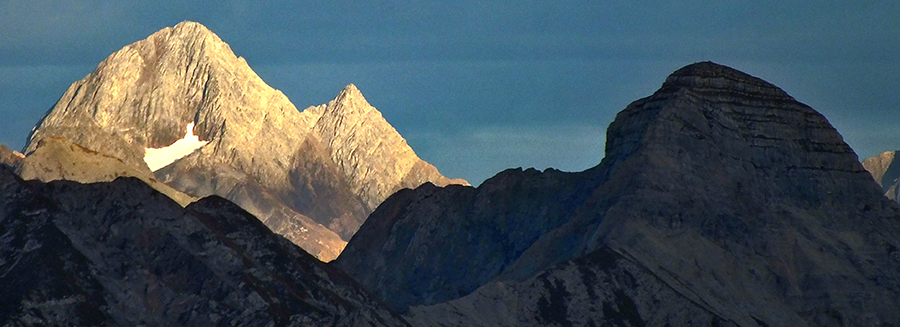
<point x="479" y="86"/>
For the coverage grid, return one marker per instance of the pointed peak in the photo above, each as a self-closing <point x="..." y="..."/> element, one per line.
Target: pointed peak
<point x="186" y="32"/>
<point x="708" y="75"/>
<point x="191" y="28"/>
<point x="350" y="88"/>
<point x="349" y="92"/>
<point x="351" y="96"/>
<point x="189" y="24"/>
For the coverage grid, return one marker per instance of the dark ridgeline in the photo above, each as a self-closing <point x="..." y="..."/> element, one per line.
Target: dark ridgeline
<point x="120" y="253"/>
<point x="721" y="201"/>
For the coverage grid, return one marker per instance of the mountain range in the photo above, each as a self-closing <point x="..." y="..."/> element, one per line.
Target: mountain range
<point x="121" y="253"/>
<point x="721" y="201"/>
<point x="172" y="186"/>
<point x="311" y="175"/>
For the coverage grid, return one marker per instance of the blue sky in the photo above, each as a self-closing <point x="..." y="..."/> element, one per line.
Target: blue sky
<point x="480" y="86"/>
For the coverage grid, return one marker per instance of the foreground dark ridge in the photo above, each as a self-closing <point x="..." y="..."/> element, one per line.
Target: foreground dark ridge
<point x="122" y="254"/>
<point x="721" y="201"/>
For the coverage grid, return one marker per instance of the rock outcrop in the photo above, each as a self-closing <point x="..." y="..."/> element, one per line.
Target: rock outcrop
<point x="323" y="169"/>
<point x="9" y="157"/>
<point x="886" y="172"/>
<point x="55" y="158"/>
<point x="120" y="253"/>
<point x="721" y="201"/>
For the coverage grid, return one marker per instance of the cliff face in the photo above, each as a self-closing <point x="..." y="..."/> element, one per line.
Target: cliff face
<point x="255" y="147"/>
<point x="721" y="200"/>
<point x="120" y="253"/>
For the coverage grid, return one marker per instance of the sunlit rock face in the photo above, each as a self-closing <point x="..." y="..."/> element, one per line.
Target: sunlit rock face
<point x="886" y="172"/>
<point x="368" y="150"/>
<point x="9" y="157"/>
<point x="55" y="158"/>
<point x="121" y="254"/>
<point x="313" y="176"/>
<point x="721" y="201"/>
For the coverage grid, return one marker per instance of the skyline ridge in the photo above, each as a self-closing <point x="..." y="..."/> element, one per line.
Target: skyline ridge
<point x="528" y="85"/>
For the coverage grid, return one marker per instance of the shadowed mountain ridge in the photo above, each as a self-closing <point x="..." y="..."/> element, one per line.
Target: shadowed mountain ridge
<point x="729" y="202"/>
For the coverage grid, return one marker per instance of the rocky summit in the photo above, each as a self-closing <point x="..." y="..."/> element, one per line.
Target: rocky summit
<point x="122" y="254"/>
<point x="721" y="201"/>
<point x="313" y="176"/>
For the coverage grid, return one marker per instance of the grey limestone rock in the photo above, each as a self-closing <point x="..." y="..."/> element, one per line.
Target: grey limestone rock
<point x="730" y="202"/>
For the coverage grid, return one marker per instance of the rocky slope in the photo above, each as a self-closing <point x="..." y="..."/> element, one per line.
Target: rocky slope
<point x="55" y="158"/>
<point x="721" y="201"/>
<point x="9" y="157"/>
<point x="121" y="254"/>
<point x="886" y="172"/>
<point x="323" y="169"/>
<point x="602" y="288"/>
<point x="459" y="236"/>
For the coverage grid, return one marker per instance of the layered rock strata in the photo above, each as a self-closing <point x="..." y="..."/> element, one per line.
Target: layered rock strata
<point x="721" y="201"/>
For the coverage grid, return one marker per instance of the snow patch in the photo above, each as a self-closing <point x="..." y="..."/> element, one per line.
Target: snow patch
<point x="161" y="157"/>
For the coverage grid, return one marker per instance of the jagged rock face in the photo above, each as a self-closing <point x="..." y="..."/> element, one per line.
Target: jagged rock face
<point x="145" y="94"/>
<point x="886" y="172"/>
<point x="120" y="253"/>
<point x="369" y="151"/>
<point x="721" y="187"/>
